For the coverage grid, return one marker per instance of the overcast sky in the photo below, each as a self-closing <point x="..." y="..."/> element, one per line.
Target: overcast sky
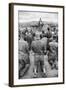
<point x="25" y="16"/>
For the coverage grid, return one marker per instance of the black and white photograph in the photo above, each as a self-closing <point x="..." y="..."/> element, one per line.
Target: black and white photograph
<point x="36" y="44"/>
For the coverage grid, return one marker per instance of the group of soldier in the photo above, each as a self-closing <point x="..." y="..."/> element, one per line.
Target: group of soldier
<point x="44" y="48"/>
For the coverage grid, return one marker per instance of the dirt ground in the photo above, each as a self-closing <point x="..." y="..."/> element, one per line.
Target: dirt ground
<point x="30" y="73"/>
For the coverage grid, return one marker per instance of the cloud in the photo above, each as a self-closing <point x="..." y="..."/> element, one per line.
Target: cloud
<point x="25" y="16"/>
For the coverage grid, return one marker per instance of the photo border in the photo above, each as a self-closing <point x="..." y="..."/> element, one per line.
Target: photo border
<point x="11" y="43"/>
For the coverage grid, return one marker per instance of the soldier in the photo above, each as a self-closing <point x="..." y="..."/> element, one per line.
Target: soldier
<point x="48" y="70"/>
<point x="42" y="35"/>
<point x="39" y="49"/>
<point x="23" y="55"/>
<point x="29" y="38"/>
<point x="48" y="33"/>
<point x="53" y="51"/>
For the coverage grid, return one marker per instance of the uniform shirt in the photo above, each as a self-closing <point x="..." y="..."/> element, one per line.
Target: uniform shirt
<point x="53" y="50"/>
<point x="23" y="58"/>
<point x="54" y="45"/>
<point x="37" y="46"/>
<point x="23" y="46"/>
<point x="48" y="34"/>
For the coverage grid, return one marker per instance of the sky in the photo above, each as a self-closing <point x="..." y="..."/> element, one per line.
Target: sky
<point x="27" y="16"/>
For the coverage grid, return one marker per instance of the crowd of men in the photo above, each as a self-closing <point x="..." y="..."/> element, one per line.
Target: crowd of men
<point x="43" y="46"/>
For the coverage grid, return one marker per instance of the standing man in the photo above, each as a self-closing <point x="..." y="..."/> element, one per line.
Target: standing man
<point x="38" y="47"/>
<point x="23" y="55"/>
<point x="53" y="51"/>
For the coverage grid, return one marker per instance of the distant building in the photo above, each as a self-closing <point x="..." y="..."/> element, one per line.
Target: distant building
<point x="37" y="26"/>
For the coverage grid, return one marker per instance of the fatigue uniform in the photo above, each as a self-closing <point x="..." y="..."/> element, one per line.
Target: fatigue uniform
<point x="29" y="38"/>
<point x="23" y="46"/>
<point x="38" y="55"/>
<point x="23" y="56"/>
<point x="38" y="60"/>
<point x="53" y="53"/>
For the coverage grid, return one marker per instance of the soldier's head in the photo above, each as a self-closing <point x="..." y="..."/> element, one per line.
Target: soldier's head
<point x="33" y="34"/>
<point x="41" y="36"/>
<point x="43" y="31"/>
<point x="54" y="38"/>
<point x="48" y="29"/>
<point x="45" y="52"/>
